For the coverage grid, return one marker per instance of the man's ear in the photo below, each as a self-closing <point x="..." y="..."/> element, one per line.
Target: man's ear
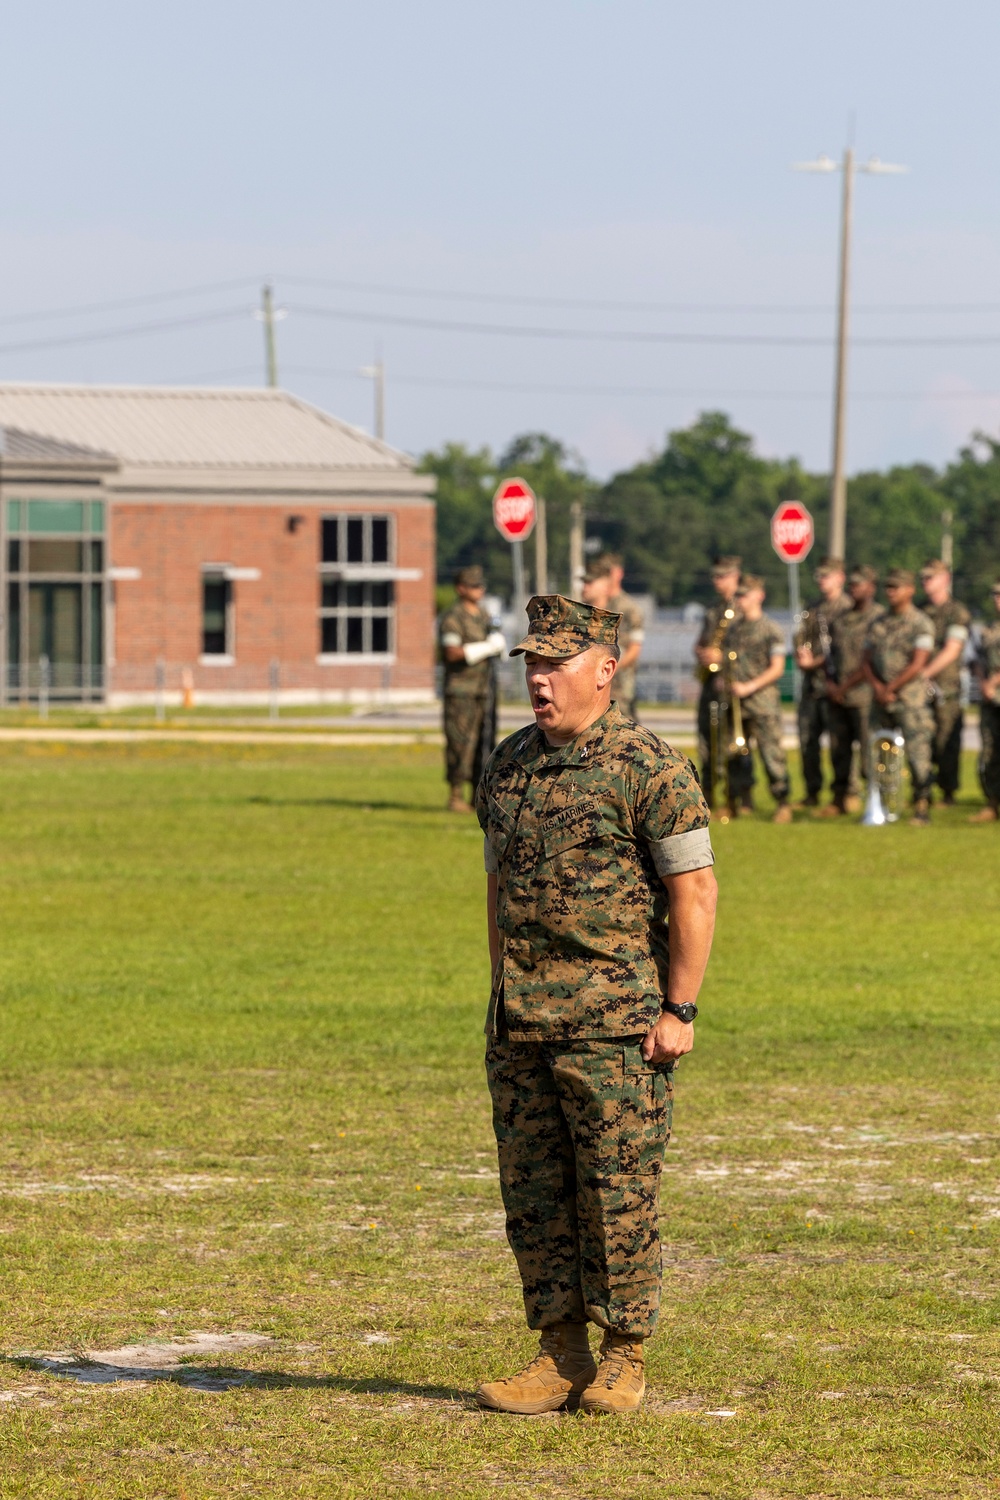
<point x="605" y="672"/>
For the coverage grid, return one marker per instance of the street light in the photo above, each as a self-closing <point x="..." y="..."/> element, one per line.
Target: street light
<point x="875" y="168"/>
<point x="376" y="373"/>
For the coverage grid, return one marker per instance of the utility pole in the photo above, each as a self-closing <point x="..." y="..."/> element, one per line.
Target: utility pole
<point x="541" y="548"/>
<point x="576" y="549"/>
<point x="376" y="373"/>
<point x="270" y="345"/>
<point x="838" y="488"/>
<point x="947" y="539"/>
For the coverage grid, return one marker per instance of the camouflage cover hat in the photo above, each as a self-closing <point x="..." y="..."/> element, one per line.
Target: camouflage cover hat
<point x="750" y="581"/>
<point x="724" y="565"/>
<point x="471" y="577"/>
<point x="934" y="566"/>
<point x="559" y="627"/>
<point x="827" y="565"/>
<point x="864" y="574"/>
<point x="900" y="577"/>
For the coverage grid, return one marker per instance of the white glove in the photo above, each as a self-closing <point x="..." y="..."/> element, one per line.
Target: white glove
<point x="478" y="651"/>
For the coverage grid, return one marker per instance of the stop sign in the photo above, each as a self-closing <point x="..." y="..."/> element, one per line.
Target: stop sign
<point x="514" y="510"/>
<point x="792" y="531"/>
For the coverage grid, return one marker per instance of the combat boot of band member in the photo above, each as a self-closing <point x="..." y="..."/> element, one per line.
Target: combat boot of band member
<point x="457" y="802"/>
<point x="620" y="1384"/>
<point x="559" y="1372"/>
<point x="837" y="808"/>
<point x="921" y="814"/>
<point x="989" y="814"/>
<point x="782" y="813"/>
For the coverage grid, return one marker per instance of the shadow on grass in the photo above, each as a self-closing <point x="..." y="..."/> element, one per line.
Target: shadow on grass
<point x="227" y="1378"/>
<point x="359" y="804"/>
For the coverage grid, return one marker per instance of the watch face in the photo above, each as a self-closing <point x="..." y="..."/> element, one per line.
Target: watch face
<point x="687" y="1013"/>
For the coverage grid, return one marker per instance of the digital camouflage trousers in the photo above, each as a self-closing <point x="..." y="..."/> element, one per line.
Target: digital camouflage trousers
<point x="581" y="1128"/>
<point x="813" y="717"/>
<point x="947" y="745"/>
<point x="468" y="739"/>
<point x="917" y="727"/>
<point x="989" y="755"/>
<point x="764" y="731"/>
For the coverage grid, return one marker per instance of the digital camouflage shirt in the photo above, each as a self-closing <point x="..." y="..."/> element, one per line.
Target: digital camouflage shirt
<point x="951" y="622"/>
<point x="579" y="837"/>
<point x="891" y="643"/>
<point x="631" y="628"/>
<point x="989" y="648"/>
<point x="459" y="626"/>
<point x="848" y="635"/>
<point x="815" y="631"/>
<point x="755" y="642"/>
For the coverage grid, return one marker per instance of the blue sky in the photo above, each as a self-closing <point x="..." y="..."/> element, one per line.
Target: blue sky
<point x="564" y="150"/>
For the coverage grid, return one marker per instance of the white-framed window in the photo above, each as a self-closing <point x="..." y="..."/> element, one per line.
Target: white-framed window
<point x="357" y="611"/>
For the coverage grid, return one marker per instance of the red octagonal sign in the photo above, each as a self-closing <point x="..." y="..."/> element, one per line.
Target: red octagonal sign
<point x="792" y="531"/>
<point x="514" y="510"/>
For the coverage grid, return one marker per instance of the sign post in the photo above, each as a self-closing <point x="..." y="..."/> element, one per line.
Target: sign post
<point x="514" y="513"/>
<point x="792" y="536"/>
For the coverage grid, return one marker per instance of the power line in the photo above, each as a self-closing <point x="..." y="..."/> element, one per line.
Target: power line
<point x="138" y="330"/>
<point x="635" y="336"/>
<point x="148" y="300"/>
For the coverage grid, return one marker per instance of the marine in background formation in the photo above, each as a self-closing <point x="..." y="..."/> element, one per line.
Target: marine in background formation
<point x="708" y="654"/>
<point x="988" y="672"/>
<point x="849" y="692"/>
<point x="759" y="646"/>
<point x="598" y="586"/>
<point x="469" y="644"/>
<point x="600" y="908"/>
<point x="943" y="674"/>
<point x="897" y="650"/>
<point x="631" y="635"/>
<point x="812" y="643"/>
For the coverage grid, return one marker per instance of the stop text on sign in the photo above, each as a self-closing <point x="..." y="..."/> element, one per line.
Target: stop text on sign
<point x="514" y="510"/>
<point x="792" y="531"/>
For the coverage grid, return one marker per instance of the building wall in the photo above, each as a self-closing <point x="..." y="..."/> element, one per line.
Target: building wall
<point x="159" y="615"/>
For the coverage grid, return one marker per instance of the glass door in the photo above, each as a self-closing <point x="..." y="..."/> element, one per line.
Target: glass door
<point x="55" y="630"/>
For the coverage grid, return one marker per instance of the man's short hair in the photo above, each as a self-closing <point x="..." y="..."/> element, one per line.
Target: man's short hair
<point x="725" y="565"/>
<point x="864" y="573"/>
<point x="750" y="581"/>
<point x="598" y="568"/>
<point x="934" y="566"/>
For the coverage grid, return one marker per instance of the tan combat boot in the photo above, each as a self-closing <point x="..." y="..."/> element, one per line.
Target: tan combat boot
<point x="835" y="809"/>
<point x="620" y="1384"/>
<point x="921" y="815"/>
<point x="559" y="1372"/>
<point x="457" y="802"/>
<point x="990" y="814"/>
<point x="782" y="813"/>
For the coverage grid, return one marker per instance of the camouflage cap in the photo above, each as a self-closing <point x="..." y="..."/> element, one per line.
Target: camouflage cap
<point x="828" y="565"/>
<point x="864" y="574"/>
<point x="598" y="568"/>
<point x="471" y="577"/>
<point x="559" y="627"/>
<point x="750" y="581"/>
<point x="724" y="565"/>
<point x="934" y="566"/>
<point x="900" y="578"/>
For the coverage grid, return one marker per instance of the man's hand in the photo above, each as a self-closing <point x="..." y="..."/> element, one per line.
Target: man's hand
<point x="708" y="655"/>
<point x="835" y="692"/>
<point x="742" y="689"/>
<point x="669" y="1039"/>
<point x="990" y="686"/>
<point x="883" y="693"/>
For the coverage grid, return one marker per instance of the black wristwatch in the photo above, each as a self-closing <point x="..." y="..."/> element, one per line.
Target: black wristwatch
<point x="685" y="1013"/>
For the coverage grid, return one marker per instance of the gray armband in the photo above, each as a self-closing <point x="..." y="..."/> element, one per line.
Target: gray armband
<point x="680" y="852"/>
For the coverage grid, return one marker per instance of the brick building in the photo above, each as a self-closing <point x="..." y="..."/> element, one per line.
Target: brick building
<point x="234" y="543"/>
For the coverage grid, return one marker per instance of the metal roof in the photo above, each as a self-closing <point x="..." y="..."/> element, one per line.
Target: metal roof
<point x="18" y="446"/>
<point x="194" y="427"/>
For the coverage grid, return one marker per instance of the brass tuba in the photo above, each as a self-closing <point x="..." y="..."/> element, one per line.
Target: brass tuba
<point x="886" y="748"/>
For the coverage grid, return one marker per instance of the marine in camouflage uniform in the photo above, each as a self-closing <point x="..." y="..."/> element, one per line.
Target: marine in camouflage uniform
<point x="598" y="582"/>
<point x="849" y="691"/>
<point x="468" y="645"/>
<point x="755" y="645"/>
<point x="988" y="672"/>
<point x="725" y="581"/>
<point x="896" y="651"/>
<point x="951" y="621"/>
<point x="583" y="839"/>
<point x="812" y="642"/>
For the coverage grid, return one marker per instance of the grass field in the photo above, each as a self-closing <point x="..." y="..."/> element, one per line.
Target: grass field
<point x="242" y="1094"/>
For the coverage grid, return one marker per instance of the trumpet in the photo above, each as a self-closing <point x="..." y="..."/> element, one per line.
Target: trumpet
<point x="886" y="749"/>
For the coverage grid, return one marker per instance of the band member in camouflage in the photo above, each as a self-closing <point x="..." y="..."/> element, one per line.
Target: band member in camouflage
<point x="631" y="634"/>
<point x="469" y="646"/>
<point x="708" y="654"/>
<point x="849" y="691"/>
<point x="601" y="900"/>
<point x="812" y="644"/>
<point x="756" y="644"/>
<point x="897" y="649"/>
<point x="943" y="674"/>
<point x="988" y="672"/>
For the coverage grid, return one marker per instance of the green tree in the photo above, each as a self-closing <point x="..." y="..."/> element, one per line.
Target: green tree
<point x="971" y="489"/>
